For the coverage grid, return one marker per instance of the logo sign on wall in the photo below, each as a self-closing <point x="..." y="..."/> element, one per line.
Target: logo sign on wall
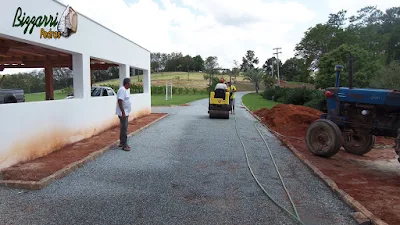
<point x="50" y="27"/>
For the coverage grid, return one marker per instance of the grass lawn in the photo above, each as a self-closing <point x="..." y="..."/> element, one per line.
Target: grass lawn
<point x="255" y="102"/>
<point x="159" y="100"/>
<point x="41" y="96"/>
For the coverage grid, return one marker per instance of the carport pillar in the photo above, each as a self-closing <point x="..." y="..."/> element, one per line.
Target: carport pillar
<point x="82" y="75"/>
<point x="146" y="81"/>
<point x="91" y="77"/>
<point x="123" y="73"/>
<point x="49" y="81"/>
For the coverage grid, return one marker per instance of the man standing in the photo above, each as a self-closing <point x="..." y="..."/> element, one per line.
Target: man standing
<point x="232" y="90"/>
<point x="123" y="110"/>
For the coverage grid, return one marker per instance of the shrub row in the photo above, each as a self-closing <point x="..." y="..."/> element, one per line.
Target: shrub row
<point x="297" y="96"/>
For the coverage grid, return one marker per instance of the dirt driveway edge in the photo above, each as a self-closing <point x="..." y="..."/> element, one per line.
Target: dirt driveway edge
<point x="37" y="185"/>
<point x="342" y="194"/>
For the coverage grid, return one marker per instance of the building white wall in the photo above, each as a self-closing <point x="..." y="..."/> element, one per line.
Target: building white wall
<point x="90" y="39"/>
<point x="34" y="129"/>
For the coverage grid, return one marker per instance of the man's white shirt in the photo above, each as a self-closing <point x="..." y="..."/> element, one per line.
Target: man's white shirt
<point x="125" y="96"/>
<point x="221" y="86"/>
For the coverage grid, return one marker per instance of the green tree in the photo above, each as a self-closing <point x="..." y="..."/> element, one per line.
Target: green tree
<point x="210" y="65"/>
<point x="255" y="76"/>
<point x="198" y="63"/>
<point x="295" y="69"/>
<point x="388" y="77"/>
<point x="249" y="61"/>
<point x="365" y="67"/>
<point x="236" y="69"/>
<point x="155" y="61"/>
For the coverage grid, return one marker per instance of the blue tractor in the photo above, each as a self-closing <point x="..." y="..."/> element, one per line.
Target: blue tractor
<point x="354" y="117"/>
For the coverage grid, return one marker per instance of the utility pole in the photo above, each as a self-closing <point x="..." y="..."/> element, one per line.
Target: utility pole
<point x="277" y="57"/>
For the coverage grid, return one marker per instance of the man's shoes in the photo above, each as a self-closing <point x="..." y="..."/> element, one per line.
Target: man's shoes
<point x="126" y="148"/>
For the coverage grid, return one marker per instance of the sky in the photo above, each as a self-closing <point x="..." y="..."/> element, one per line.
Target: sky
<point x="222" y="28"/>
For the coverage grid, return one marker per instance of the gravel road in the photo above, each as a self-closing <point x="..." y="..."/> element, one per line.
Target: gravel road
<point x="185" y="169"/>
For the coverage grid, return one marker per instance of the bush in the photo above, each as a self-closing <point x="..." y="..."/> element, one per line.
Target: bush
<point x="268" y="93"/>
<point x="268" y="81"/>
<point x="186" y="90"/>
<point x="298" y="96"/>
<point x="67" y="90"/>
<point x="157" y="89"/>
<point x="318" y="101"/>
<point x="280" y="94"/>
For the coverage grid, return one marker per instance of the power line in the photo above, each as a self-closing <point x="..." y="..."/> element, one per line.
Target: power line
<point x="277" y="57"/>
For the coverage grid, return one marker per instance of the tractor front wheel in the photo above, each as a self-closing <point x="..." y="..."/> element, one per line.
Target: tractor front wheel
<point x="323" y="138"/>
<point x="358" y="144"/>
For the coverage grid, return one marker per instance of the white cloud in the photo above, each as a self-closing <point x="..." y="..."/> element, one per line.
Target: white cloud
<point x="222" y="28"/>
<point x="226" y="29"/>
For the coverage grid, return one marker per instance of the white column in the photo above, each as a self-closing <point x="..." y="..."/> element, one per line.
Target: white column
<point x="123" y="73"/>
<point x="146" y="81"/>
<point x="81" y="71"/>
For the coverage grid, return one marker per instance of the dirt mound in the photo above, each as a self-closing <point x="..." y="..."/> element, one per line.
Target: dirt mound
<point x="291" y="120"/>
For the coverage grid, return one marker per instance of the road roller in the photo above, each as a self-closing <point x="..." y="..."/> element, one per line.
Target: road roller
<point x="218" y="106"/>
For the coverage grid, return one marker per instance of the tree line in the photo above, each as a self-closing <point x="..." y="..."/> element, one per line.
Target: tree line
<point x="371" y="39"/>
<point x="34" y="82"/>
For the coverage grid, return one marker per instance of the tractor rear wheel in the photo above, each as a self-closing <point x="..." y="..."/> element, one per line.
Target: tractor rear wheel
<point x="358" y="144"/>
<point x="323" y="138"/>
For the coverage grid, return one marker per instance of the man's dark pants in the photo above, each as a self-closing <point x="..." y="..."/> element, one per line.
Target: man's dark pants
<point x="123" y="124"/>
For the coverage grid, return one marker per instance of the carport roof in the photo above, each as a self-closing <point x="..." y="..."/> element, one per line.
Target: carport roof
<point x="15" y="54"/>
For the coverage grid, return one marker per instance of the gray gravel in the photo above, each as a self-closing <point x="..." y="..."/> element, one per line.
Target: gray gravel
<point x="185" y="169"/>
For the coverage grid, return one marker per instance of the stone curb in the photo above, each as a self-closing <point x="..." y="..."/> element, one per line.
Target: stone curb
<point x="342" y="194"/>
<point x="37" y="185"/>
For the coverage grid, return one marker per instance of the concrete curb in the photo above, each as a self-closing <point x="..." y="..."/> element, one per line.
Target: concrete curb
<point x="342" y="194"/>
<point x="37" y="185"/>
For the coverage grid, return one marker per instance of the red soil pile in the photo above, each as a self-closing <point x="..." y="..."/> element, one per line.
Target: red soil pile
<point x="290" y="120"/>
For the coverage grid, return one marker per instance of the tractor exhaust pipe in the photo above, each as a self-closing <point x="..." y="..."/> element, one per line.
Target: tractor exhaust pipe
<point x="351" y="71"/>
<point x="338" y="69"/>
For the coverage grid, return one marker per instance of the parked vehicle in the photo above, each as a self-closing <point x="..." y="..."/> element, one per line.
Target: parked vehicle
<point x="98" y="91"/>
<point x="11" y="96"/>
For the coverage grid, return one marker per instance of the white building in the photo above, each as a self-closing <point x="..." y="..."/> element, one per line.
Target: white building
<point x="33" y="129"/>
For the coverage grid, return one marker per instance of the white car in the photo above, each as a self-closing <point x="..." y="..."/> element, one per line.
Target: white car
<point x="98" y="91"/>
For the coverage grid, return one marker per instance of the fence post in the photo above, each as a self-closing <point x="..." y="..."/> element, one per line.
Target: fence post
<point x="166" y="91"/>
<point x="171" y="90"/>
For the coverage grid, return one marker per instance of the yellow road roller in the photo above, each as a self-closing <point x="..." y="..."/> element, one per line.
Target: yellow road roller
<point x="218" y="106"/>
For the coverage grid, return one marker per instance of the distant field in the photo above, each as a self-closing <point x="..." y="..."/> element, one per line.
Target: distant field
<point x="181" y="79"/>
